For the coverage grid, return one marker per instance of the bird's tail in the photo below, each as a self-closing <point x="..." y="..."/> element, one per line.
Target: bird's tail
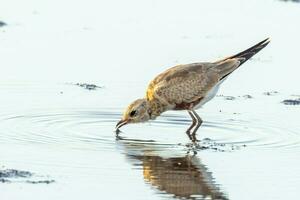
<point x="248" y="53"/>
<point x="243" y="56"/>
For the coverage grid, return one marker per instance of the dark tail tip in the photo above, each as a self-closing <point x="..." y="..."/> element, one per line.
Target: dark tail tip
<point x="248" y="53"/>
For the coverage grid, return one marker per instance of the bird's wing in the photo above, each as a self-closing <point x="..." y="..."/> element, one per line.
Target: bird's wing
<point x="185" y="85"/>
<point x="182" y="85"/>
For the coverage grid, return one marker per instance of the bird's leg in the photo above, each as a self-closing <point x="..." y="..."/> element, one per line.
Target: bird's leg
<point x="198" y="124"/>
<point x="188" y="131"/>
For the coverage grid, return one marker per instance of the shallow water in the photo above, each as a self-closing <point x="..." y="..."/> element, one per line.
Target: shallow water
<point x="61" y="133"/>
<point x="57" y="138"/>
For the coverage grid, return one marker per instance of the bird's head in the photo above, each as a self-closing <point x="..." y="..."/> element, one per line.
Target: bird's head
<point x="137" y="111"/>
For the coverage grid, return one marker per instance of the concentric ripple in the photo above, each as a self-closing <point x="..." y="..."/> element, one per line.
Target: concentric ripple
<point x="247" y="132"/>
<point x="94" y="130"/>
<point x="75" y="129"/>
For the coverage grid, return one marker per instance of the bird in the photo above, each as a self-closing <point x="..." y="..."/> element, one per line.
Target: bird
<point x="184" y="177"/>
<point x="186" y="87"/>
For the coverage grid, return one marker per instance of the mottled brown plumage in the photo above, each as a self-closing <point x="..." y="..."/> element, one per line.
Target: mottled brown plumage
<point x="186" y="87"/>
<point x="183" y="85"/>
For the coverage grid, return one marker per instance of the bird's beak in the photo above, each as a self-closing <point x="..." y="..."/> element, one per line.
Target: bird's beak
<point x="121" y="123"/>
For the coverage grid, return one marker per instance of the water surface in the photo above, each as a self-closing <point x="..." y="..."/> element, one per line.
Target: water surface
<point x="48" y="130"/>
<point x="59" y="131"/>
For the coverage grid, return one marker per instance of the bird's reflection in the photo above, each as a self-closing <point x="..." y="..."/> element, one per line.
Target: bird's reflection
<point x="182" y="176"/>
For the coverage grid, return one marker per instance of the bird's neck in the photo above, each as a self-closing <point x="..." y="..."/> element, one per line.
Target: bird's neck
<point x="156" y="108"/>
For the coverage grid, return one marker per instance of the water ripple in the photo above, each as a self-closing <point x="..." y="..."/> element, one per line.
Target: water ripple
<point x="94" y="130"/>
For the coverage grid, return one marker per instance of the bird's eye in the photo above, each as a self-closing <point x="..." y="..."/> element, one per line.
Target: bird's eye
<point x="132" y="113"/>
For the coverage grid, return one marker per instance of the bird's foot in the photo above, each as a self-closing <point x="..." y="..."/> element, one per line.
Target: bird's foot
<point x="189" y="135"/>
<point x="194" y="139"/>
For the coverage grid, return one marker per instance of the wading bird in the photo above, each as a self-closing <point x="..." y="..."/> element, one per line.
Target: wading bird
<point x="185" y="87"/>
